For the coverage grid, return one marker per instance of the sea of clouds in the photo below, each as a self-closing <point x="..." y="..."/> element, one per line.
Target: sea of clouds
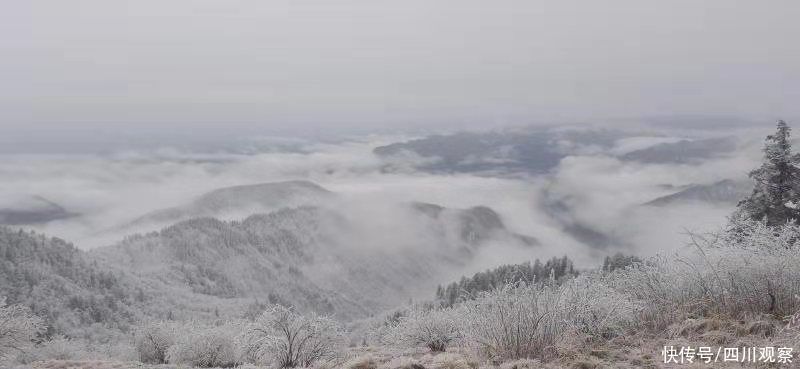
<point x="600" y="191"/>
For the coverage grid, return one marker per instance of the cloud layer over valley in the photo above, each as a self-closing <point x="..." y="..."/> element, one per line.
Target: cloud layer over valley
<point x="586" y="205"/>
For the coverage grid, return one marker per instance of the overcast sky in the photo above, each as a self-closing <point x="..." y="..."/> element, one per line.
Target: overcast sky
<point x="314" y="66"/>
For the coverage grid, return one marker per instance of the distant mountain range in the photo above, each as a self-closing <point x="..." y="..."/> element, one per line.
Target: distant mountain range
<point x="316" y="258"/>
<point x="32" y="210"/>
<point x="727" y="192"/>
<point x="537" y="151"/>
<point x="684" y="151"/>
<point x="237" y="202"/>
<point x="477" y="152"/>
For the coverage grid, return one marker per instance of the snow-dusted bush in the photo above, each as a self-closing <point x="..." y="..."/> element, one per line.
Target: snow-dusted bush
<point x="749" y="270"/>
<point x="206" y="346"/>
<point x="402" y="363"/>
<point x="433" y="328"/>
<point x="57" y="348"/>
<point x="152" y="341"/>
<point x="284" y="338"/>
<point x="516" y="321"/>
<point x="742" y="231"/>
<point x="519" y="320"/>
<point x="377" y="330"/>
<point x="18" y="328"/>
<point x="119" y="350"/>
<point x="591" y="307"/>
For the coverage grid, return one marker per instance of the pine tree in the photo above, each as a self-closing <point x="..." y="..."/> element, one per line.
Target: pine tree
<point x="777" y="182"/>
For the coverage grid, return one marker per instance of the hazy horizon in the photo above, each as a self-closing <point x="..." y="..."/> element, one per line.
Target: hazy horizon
<point x="91" y="70"/>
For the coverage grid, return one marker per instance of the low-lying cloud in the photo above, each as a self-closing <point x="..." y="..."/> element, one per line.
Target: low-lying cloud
<point x="600" y="192"/>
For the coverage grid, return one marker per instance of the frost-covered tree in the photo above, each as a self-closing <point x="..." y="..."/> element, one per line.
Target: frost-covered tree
<point x="435" y="329"/>
<point x="282" y="337"/>
<point x="18" y="328"/>
<point x="619" y="261"/>
<point x="777" y="182"/>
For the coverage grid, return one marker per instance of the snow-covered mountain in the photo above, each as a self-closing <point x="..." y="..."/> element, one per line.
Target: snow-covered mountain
<point x="325" y="258"/>
<point x="236" y="202"/>
<point x="537" y="151"/>
<point x="684" y="151"/>
<point x="727" y="192"/>
<point x="31" y="210"/>
<point x="315" y="258"/>
<point x="533" y="151"/>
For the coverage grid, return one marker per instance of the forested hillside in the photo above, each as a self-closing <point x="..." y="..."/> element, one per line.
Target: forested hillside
<point x="64" y="285"/>
<point x="467" y="288"/>
<point x="204" y="267"/>
<point x="261" y="257"/>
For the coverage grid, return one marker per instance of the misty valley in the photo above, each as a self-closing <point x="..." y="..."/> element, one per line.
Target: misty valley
<point x="530" y="247"/>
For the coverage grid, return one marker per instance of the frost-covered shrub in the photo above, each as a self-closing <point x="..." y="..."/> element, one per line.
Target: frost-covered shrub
<point x="522" y="321"/>
<point x="152" y="341"/>
<point x="653" y="283"/>
<point x="57" y="348"/>
<point x="793" y="328"/>
<point x="206" y="346"/>
<point x="284" y="338"/>
<point x="749" y="270"/>
<point x="743" y="231"/>
<point x="18" y="328"/>
<point x="516" y="321"/>
<point x="591" y="307"/>
<point x="435" y="329"/>
<point x="70" y="349"/>
<point x="402" y="363"/>
<point x="377" y="330"/>
<point x="119" y="350"/>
